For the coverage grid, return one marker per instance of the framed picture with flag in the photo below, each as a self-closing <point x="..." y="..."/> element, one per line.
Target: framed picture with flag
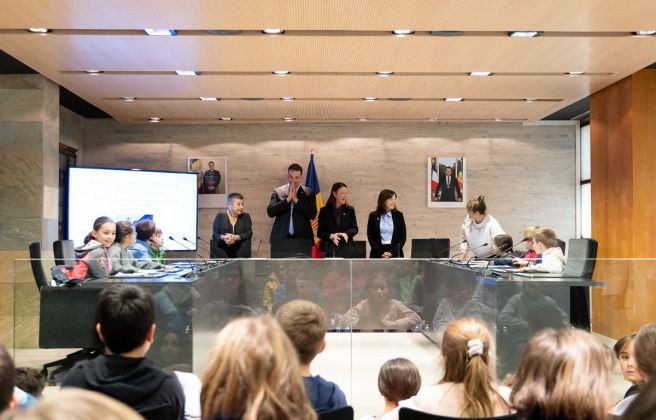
<point x="447" y="182"/>
<point x="212" y="174"/>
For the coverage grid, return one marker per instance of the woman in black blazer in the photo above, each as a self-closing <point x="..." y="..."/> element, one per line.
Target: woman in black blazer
<point x="386" y="228"/>
<point x="232" y="230"/>
<point x="337" y="223"/>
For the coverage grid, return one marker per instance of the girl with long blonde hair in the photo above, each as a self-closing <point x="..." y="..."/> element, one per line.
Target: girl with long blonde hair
<point x="253" y="374"/>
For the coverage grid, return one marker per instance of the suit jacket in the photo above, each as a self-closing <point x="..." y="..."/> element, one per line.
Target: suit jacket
<point x="398" y="235"/>
<point x="304" y="211"/>
<point x="448" y="193"/>
<point x="328" y="225"/>
<point x="243" y="228"/>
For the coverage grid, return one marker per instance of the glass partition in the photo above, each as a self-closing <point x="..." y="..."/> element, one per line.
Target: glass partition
<point x="377" y="310"/>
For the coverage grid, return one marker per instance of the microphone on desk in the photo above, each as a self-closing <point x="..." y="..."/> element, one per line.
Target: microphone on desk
<point x="189" y="249"/>
<point x="473" y="249"/>
<point x="492" y="252"/>
<point x="184" y="238"/>
<point x="450" y="248"/>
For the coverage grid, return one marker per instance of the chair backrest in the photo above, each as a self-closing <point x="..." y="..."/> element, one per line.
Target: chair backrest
<point x="342" y="413"/>
<point x="354" y="249"/>
<point x="561" y="244"/>
<point x="285" y="248"/>
<point x="37" y="267"/>
<point x="581" y="258"/>
<point x="406" y="413"/>
<point x="64" y="251"/>
<point x="430" y="248"/>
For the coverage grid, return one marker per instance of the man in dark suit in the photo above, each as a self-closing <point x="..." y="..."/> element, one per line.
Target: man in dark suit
<point x="449" y="188"/>
<point x="294" y="206"/>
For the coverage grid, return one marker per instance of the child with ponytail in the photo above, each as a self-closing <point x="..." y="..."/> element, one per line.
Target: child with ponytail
<point x="92" y="259"/>
<point x="468" y="387"/>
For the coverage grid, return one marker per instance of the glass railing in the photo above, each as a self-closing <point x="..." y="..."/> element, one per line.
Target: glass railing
<point x="377" y="310"/>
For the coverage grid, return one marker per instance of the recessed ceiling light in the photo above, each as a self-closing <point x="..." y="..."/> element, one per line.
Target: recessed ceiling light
<point x="433" y="119"/>
<point x="575" y="73"/>
<point x="403" y="32"/>
<point x="363" y="119"/>
<point x="128" y="98"/>
<point x="531" y="99"/>
<point x="287" y="98"/>
<point x="187" y="72"/>
<point x="289" y="118"/>
<point x="370" y="98"/>
<point x="93" y="72"/>
<point x="649" y="32"/>
<point x="154" y="119"/>
<point x="273" y="31"/>
<point x="225" y="119"/>
<point x="481" y="73"/>
<point x="384" y="73"/>
<point x="209" y="98"/>
<point x="498" y="119"/>
<point x="447" y="33"/>
<point x="223" y="31"/>
<point x="281" y="72"/>
<point x="160" y="32"/>
<point x="453" y="99"/>
<point x="38" y="30"/>
<point x="525" y="34"/>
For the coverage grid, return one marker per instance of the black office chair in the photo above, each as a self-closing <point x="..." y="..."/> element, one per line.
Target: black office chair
<point x="441" y="247"/>
<point x="342" y="413"/>
<point x="561" y="244"/>
<point x="37" y="268"/>
<point x="406" y="413"/>
<point x="354" y="249"/>
<point x="581" y="260"/>
<point x="291" y="248"/>
<point x="64" y="251"/>
<point x="430" y="248"/>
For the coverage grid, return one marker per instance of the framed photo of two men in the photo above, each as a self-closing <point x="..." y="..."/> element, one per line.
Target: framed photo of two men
<point x="212" y="185"/>
<point x="447" y="182"/>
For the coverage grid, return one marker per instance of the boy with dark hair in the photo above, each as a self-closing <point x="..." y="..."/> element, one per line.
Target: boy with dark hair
<point x="30" y="380"/>
<point x="305" y="324"/>
<point x="126" y="325"/>
<point x="145" y="231"/>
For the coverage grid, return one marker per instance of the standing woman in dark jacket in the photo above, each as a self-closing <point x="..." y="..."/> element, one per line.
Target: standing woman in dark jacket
<point x="337" y="222"/>
<point x="386" y="228"/>
<point x="232" y="230"/>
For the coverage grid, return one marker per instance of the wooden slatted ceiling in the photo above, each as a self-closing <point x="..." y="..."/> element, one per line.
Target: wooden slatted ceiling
<point x="56" y="54"/>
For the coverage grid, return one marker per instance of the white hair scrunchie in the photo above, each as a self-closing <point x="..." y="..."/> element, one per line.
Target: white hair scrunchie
<point x="475" y="347"/>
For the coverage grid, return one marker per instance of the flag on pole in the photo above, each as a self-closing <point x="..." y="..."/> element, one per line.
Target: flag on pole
<point x="312" y="181"/>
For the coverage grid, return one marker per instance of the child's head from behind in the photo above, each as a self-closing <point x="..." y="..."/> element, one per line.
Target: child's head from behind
<point x="126" y="317"/>
<point x="563" y="373"/>
<point x="30" y="380"/>
<point x="145" y="230"/>
<point x="623" y="350"/>
<point x="305" y="324"/>
<point x="253" y="374"/>
<point x="645" y="351"/>
<point x="398" y="380"/>
<point x="7" y="378"/>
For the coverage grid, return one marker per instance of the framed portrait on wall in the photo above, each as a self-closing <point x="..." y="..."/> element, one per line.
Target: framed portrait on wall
<point x="447" y="182"/>
<point x="212" y="184"/>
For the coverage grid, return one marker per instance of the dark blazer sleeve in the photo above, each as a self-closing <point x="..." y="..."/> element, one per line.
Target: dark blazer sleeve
<point x="277" y="206"/>
<point x="352" y="229"/>
<point x="216" y="227"/>
<point x="401" y="227"/>
<point x="373" y="235"/>
<point x="246" y="228"/>
<point x="325" y="226"/>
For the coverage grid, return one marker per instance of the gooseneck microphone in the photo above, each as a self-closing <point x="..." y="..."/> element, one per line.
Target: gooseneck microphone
<point x="189" y="249"/>
<point x="492" y="252"/>
<point x="184" y="238"/>
<point x="473" y="249"/>
<point x="450" y="248"/>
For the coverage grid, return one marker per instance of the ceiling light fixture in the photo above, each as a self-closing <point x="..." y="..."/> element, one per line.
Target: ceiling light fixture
<point x="209" y="98"/>
<point x="453" y="99"/>
<point x="93" y="72"/>
<point x="370" y="98"/>
<point x="287" y="98"/>
<point x="531" y="99"/>
<point x="160" y="32"/>
<point x="363" y="119"/>
<point x="128" y="98"/>
<point x="481" y="73"/>
<point x="39" y="30"/>
<point x="649" y="32"/>
<point x="403" y="32"/>
<point x="273" y="31"/>
<point x="575" y="73"/>
<point x="187" y="72"/>
<point x="225" y="119"/>
<point x="525" y="34"/>
<point x="154" y="119"/>
<point x="281" y="72"/>
<point x="384" y="73"/>
<point x="447" y="33"/>
<point x="289" y="119"/>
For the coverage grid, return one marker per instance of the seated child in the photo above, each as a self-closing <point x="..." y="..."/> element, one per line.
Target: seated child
<point x="92" y="259"/>
<point x="544" y="243"/>
<point x="121" y="257"/>
<point x="398" y="380"/>
<point x="305" y="324"/>
<point x="156" y="249"/>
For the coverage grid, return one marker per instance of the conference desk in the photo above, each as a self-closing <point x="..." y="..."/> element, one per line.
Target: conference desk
<point x="193" y="305"/>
